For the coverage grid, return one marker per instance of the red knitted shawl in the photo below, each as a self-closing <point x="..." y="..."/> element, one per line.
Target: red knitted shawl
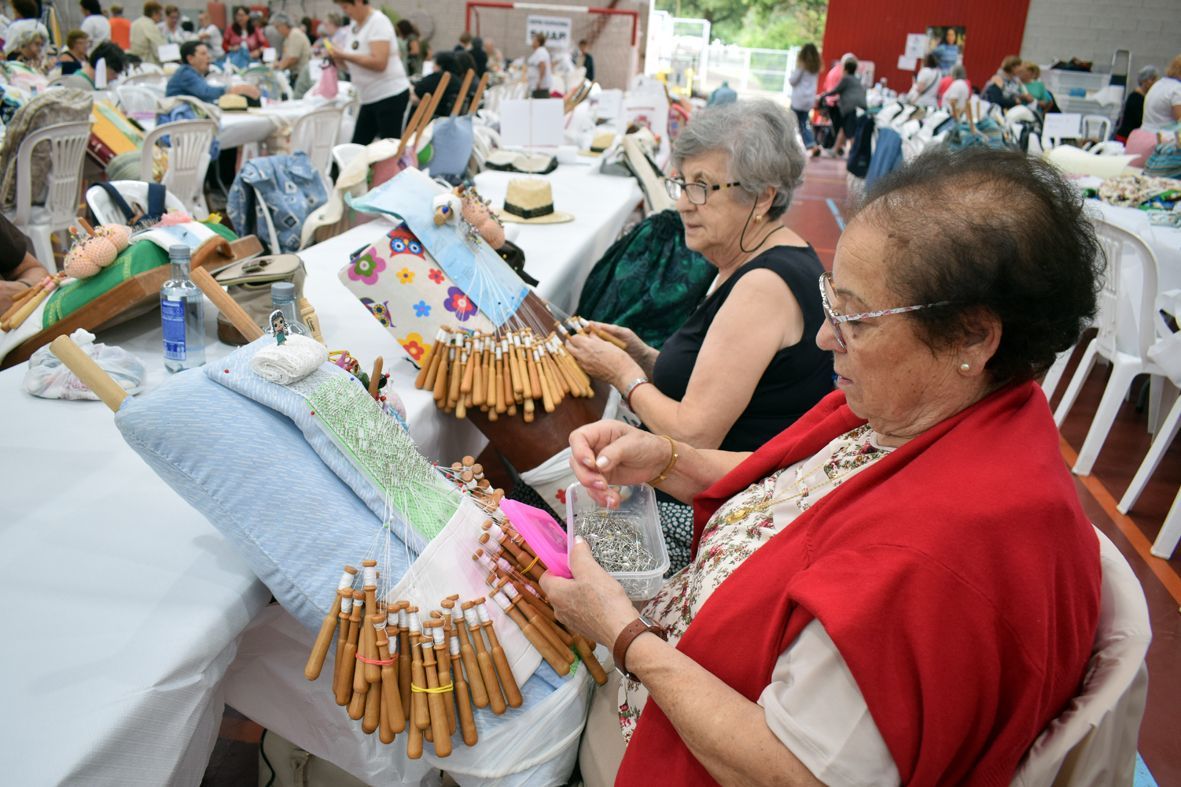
<point x="957" y="576"/>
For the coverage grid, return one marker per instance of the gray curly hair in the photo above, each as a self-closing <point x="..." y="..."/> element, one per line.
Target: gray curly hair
<point x="761" y="142"/>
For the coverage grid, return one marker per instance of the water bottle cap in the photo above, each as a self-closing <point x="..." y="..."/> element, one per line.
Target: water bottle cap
<point x="283" y="292"/>
<point x="179" y="252"/>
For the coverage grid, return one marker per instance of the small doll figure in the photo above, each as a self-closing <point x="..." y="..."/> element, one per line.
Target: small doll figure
<point x="279" y="326"/>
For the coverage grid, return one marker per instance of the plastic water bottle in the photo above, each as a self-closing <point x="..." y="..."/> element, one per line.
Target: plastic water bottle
<point x="182" y="311"/>
<point x="283" y="299"/>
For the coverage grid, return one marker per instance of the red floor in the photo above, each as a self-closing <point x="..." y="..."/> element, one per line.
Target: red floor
<point x="235" y="760"/>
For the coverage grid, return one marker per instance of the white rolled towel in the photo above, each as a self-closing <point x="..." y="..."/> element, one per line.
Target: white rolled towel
<point x="289" y="362"/>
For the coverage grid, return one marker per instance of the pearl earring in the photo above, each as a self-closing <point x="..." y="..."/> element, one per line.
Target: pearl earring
<point x="965" y="366"/>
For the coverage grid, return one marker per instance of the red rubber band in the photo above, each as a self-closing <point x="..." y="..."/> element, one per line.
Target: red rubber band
<point x="378" y="662"/>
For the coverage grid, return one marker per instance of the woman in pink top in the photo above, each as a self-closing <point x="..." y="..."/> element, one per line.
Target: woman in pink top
<point x="243" y="31"/>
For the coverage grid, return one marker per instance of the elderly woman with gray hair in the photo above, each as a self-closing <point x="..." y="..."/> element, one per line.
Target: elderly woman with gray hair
<point x="743" y="367"/>
<point x="902" y="587"/>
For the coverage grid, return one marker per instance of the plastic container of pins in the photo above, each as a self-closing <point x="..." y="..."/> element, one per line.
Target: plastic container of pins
<point x="626" y="541"/>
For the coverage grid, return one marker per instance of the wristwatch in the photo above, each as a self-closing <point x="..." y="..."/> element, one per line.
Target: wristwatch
<point x="632" y="630"/>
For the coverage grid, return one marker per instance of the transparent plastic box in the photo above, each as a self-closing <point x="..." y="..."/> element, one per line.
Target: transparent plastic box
<point x="638" y="506"/>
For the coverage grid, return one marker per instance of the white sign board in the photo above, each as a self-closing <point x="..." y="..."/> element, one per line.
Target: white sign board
<point x="608" y="104"/>
<point x="531" y="123"/>
<point x="916" y="45"/>
<point x="906" y="63"/>
<point x="649" y="109"/>
<point x="1063" y="125"/>
<point x="556" y="29"/>
<point x="168" y="53"/>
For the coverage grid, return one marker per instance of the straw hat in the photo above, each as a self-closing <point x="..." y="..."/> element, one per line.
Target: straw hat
<point x="600" y="143"/>
<point x="531" y="201"/>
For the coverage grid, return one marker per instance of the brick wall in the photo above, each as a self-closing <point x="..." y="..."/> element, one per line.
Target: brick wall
<point x="1094" y="29"/>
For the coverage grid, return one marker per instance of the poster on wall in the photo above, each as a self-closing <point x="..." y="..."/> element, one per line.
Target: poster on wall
<point x="556" y="30"/>
<point x="947" y="44"/>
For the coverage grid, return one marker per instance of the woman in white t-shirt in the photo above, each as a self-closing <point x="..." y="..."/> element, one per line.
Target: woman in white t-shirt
<point x="803" y="92"/>
<point x="376" y="72"/>
<point x="926" y="84"/>
<point x="95" y="25"/>
<point x="959" y="91"/>
<point x="539" y="69"/>
<point x="1162" y="103"/>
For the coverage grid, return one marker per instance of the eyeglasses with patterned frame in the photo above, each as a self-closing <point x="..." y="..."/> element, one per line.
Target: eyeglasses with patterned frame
<point x="836" y="319"/>
<point x="696" y="192"/>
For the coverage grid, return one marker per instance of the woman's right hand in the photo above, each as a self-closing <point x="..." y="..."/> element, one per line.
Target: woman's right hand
<point x="611" y="453"/>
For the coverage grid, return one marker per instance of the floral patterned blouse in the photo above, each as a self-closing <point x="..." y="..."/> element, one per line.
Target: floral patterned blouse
<point x="739" y="527"/>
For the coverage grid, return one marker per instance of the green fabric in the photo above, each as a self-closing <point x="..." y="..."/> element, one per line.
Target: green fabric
<point x="132" y="261"/>
<point x="1037" y="90"/>
<point x="648" y="280"/>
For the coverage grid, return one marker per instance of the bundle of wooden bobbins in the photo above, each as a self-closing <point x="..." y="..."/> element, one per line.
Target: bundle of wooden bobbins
<point x="396" y="670"/>
<point x="507" y="371"/>
<point x="468" y="475"/>
<point x="27" y="301"/>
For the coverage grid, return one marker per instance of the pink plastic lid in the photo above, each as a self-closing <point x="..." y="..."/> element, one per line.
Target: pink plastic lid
<point x="543" y="534"/>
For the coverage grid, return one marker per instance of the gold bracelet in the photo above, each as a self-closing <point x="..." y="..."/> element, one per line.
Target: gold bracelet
<point x="672" y="462"/>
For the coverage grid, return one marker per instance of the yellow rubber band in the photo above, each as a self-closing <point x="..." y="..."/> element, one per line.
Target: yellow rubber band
<point x="439" y="690"/>
<point x="526" y="569"/>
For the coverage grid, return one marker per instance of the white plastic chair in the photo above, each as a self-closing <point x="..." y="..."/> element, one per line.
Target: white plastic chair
<point x="67" y="142"/>
<point x="345" y="152"/>
<point x="188" y="159"/>
<point x="134" y="192"/>
<point x="1127" y="349"/>
<point x="1096" y="127"/>
<point x="153" y="81"/>
<point x="315" y="134"/>
<point x="137" y="100"/>
<point x="1093" y="741"/>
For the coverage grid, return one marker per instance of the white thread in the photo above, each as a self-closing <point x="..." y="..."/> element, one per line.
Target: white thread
<point x="456" y="614"/>
<point x="415" y="624"/>
<point x="346" y="581"/>
<point x="510" y="591"/>
<point x="471" y="617"/>
<point x="501" y="602"/>
<point x="346" y="604"/>
<point x="496" y="532"/>
<point x="403" y="618"/>
<point x="379" y="625"/>
<point x="371" y="576"/>
<point x="437" y="635"/>
<point x="391" y="619"/>
<point x="454" y="646"/>
<point x="289" y="362"/>
<point x="505" y="566"/>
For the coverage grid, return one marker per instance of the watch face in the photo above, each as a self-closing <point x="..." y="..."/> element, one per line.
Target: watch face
<point x="356" y="44"/>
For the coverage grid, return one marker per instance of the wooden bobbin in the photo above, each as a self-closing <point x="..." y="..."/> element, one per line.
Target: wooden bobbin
<point x="467" y="655"/>
<point x="443" y="667"/>
<point x="419" y="711"/>
<point x="328" y="626"/>
<point x="552" y="656"/>
<point x="463" y="700"/>
<point x="392" y="718"/>
<point x="484" y="659"/>
<point x="404" y="646"/>
<point x="371" y="718"/>
<point x="344" y="681"/>
<point x="438" y="715"/>
<point x="511" y="691"/>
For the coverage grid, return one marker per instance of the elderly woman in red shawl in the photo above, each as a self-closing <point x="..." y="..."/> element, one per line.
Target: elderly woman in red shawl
<point x="902" y="587"/>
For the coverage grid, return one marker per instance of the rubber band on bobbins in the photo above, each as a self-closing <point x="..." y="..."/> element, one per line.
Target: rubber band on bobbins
<point x="440" y="690"/>
<point x="378" y="662"/>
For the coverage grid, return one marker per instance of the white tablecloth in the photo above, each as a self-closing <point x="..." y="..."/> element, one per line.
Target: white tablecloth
<point x="122" y="604"/>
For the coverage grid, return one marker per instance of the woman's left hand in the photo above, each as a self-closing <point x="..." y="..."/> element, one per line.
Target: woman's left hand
<point x="602" y="360"/>
<point x="592" y="604"/>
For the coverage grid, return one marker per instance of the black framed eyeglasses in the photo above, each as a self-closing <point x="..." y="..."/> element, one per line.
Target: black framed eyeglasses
<point x="696" y="192"/>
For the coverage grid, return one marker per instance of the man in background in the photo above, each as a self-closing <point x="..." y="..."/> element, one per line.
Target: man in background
<point x="297" y="49"/>
<point x="586" y="59"/>
<point x="146" y="38"/>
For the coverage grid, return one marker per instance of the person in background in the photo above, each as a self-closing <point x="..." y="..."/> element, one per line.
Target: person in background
<point x="340" y="29"/>
<point x="479" y="56"/>
<point x="445" y="63"/>
<point x="170" y="27"/>
<point x="95" y="25"/>
<point x="1133" y="113"/>
<point x="77" y="45"/>
<point x="242" y="33"/>
<point x="189" y="79"/>
<point x="297" y="49"/>
<point x="116" y="62"/>
<point x="120" y="28"/>
<point x="803" y="92"/>
<point x="146" y="38"/>
<point x="376" y="71"/>
<point x="948" y="50"/>
<point x="743" y="367"/>
<point x="958" y="90"/>
<point x="19" y="269"/>
<point x="1162" y="102"/>
<point x="831" y="105"/>
<point x="409" y="42"/>
<point x="1005" y="88"/>
<point x="308" y="27"/>
<point x="29" y="49"/>
<point x="924" y="91"/>
<point x="539" y="68"/>
<point x="27" y="19"/>
<point x="266" y="23"/>
<point x="586" y="59"/>
<point x="1030" y="74"/>
<point x="210" y="35"/>
<point x="495" y="58"/>
<point x="850" y="93"/>
<point x="465" y="42"/>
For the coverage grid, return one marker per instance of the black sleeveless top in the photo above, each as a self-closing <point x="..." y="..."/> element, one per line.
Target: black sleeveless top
<point x="797" y="377"/>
